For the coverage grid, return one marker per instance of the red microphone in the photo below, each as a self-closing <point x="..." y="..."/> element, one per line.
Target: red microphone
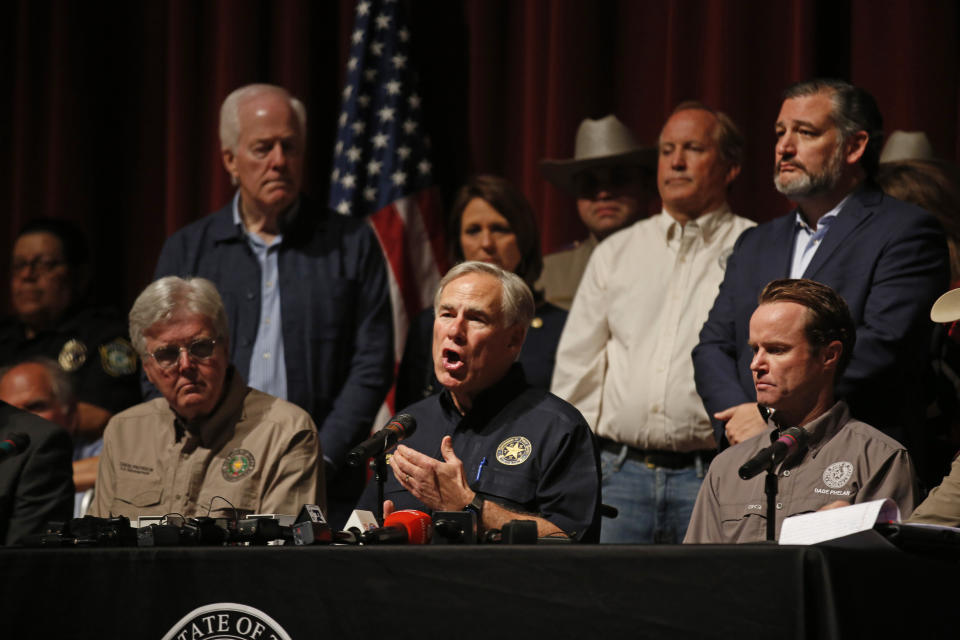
<point x="407" y="526"/>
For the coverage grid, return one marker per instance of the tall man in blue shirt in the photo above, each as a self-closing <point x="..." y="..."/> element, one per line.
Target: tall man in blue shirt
<point x="305" y="290"/>
<point x="886" y="258"/>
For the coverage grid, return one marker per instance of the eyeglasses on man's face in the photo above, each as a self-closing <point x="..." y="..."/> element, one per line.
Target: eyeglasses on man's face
<point x="169" y="355"/>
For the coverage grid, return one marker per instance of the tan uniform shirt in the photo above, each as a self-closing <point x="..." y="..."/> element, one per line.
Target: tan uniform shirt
<point x="942" y="506"/>
<point x="258" y="452"/>
<point x="624" y="356"/>
<point x="562" y="272"/>
<point x="846" y="460"/>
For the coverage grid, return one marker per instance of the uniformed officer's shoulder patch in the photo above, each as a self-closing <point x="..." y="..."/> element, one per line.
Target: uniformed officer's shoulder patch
<point x="837" y="474"/>
<point x="118" y="358"/>
<point x="238" y="464"/>
<point x="514" y="450"/>
<point x="72" y="355"/>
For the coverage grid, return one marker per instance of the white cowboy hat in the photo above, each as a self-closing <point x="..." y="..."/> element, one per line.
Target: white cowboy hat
<point x="947" y="307"/>
<point x="606" y="142"/>
<point x="906" y="145"/>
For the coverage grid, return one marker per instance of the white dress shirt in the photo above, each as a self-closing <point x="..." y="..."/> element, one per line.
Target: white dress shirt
<point x="624" y="356"/>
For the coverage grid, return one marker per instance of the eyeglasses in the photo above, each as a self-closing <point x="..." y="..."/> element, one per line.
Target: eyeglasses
<point x="169" y="355"/>
<point x="39" y="265"/>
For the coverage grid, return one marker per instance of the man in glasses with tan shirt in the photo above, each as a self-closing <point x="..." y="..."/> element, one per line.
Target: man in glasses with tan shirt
<point x="211" y="444"/>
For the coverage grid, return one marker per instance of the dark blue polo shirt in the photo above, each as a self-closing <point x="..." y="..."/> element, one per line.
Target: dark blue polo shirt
<point x="539" y="454"/>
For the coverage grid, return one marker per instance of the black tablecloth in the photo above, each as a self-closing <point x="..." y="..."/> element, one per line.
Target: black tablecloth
<point x="749" y="591"/>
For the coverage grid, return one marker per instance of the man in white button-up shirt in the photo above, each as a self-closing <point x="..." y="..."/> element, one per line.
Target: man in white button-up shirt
<point x="624" y="358"/>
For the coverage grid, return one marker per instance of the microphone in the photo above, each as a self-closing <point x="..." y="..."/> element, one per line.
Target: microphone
<point x="402" y="426"/>
<point x="311" y="527"/>
<point x="13" y="444"/>
<point x="791" y="440"/>
<point x="408" y="526"/>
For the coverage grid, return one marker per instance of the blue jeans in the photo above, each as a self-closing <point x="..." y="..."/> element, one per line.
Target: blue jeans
<point x="655" y="503"/>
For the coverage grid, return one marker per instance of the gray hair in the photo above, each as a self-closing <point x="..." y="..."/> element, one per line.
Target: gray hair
<point x="516" y="301"/>
<point x="60" y="383"/>
<point x="230" y="111"/>
<point x="854" y="109"/>
<point x="168" y="297"/>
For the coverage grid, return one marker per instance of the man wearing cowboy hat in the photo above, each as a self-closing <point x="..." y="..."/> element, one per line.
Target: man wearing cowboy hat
<point x="942" y="506"/>
<point x="611" y="176"/>
<point x="624" y="357"/>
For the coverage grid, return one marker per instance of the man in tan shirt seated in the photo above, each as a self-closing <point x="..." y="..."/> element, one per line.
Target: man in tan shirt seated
<point x="802" y="337"/>
<point x="211" y="444"/>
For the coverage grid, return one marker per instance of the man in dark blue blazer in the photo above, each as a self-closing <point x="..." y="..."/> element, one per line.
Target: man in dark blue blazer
<point x="887" y="258"/>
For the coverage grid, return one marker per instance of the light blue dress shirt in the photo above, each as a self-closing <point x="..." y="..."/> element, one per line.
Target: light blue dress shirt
<point x="808" y="240"/>
<point x="268" y="369"/>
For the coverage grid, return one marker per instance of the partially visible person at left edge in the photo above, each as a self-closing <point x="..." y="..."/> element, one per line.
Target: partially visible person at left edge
<point x="489" y="442"/>
<point x="305" y="289"/>
<point x="211" y="445"/>
<point x="36" y="486"/>
<point x="41" y="387"/>
<point x="49" y="272"/>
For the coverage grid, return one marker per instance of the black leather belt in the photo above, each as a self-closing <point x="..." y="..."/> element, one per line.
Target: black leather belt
<point x="658" y="458"/>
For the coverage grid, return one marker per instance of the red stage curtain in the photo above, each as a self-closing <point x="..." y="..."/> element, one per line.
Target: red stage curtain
<point x="110" y="110"/>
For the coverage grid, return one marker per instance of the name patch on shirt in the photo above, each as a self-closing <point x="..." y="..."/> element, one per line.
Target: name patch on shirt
<point x="135" y="468"/>
<point x="514" y="450"/>
<point x="238" y="464"/>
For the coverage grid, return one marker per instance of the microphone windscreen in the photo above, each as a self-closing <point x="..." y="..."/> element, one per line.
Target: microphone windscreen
<point x="404" y="424"/>
<point x="417" y="524"/>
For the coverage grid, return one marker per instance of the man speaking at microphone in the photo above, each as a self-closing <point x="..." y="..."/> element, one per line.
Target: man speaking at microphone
<point x="490" y="443"/>
<point x="802" y="337"/>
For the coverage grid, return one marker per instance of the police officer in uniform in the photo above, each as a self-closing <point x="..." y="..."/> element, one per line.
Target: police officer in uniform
<point x="48" y="276"/>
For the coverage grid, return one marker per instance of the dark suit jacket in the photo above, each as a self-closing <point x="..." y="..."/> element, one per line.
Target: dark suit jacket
<point x="887" y="258"/>
<point x="36" y="486"/>
<point x="334" y="306"/>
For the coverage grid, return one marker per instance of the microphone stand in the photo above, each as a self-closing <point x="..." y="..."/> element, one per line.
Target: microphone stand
<point x="770" y="488"/>
<point x="380" y="473"/>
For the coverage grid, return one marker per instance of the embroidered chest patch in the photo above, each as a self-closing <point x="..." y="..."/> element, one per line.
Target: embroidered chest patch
<point x="238" y="464"/>
<point x="837" y="474"/>
<point x="514" y="450"/>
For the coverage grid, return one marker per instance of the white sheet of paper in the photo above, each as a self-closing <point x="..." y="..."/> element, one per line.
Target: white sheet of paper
<point x="811" y="528"/>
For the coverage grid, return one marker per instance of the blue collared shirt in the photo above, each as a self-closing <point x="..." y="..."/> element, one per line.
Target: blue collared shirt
<point x="808" y="240"/>
<point x="268" y="369"/>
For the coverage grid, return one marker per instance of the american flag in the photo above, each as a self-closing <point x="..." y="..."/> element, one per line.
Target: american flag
<point x="381" y="161"/>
